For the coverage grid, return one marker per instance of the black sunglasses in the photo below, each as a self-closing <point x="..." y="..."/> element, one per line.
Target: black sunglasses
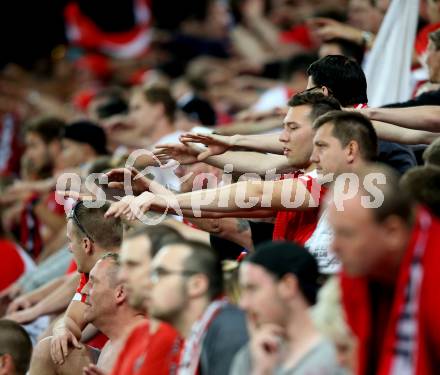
<point x="72" y="215"/>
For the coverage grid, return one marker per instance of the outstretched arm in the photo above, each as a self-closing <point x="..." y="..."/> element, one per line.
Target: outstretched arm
<point x="239" y="197"/>
<point x="394" y="133"/>
<point x="425" y="117"/>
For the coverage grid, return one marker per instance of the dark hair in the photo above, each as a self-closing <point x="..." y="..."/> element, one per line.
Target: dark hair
<point x="423" y="183"/>
<point x="15" y="341"/>
<point x="348" y="48"/>
<point x="280" y="258"/>
<point x="87" y="132"/>
<point x="396" y="201"/>
<point x="435" y="38"/>
<point x="351" y="126"/>
<point x="317" y="100"/>
<point x="112" y="102"/>
<point x="106" y="232"/>
<point x="342" y="76"/>
<point x="297" y="63"/>
<point x="432" y="153"/>
<point x="48" y="128"/>
<point x="158" y="235"/>
<point x="203" y="259"/>
<point x="163" y="96"/>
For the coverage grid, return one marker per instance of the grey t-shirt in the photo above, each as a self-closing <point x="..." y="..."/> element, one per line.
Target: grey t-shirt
<point x="226" y="335"/>
<point x="320" y="360"/>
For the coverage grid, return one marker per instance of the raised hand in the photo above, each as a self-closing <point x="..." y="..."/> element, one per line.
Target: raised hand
<point x="216" y="144"/>
<point x="139" y="183"/>
<point x="182" y="153"/>
<point x="121" y="208"/>
<point x="327" y="28"/>
<point x="265" y="346"/>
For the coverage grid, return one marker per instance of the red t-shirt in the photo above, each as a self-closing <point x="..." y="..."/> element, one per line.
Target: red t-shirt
<point x="12" y="265"/>
<point x="79" y="296"/>
<point x="298" y="225"/>
<point x="144" y="353"/>
<point x="99" y="340"/>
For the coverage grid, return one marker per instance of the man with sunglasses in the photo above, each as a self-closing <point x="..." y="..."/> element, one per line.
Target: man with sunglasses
<point x="186" y="291"/>
<point x="90" y="236"/>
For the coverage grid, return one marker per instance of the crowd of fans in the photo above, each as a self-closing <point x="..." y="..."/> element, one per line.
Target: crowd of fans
<point x="200" y="187"/>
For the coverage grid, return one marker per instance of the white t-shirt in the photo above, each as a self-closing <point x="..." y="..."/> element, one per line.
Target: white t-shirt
<point x="319" y="245"/>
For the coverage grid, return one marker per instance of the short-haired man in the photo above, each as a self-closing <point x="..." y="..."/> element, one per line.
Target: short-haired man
<point x="152" y="112"/>
<point x="344" y="79"/>
<point x="15" y="348"/>
<point x="152" y="346"/>
<point x="90" y="235"/>
<point x="108" y="310"/>
<point x="279" y="283"/>
<point x="344" y="141"/>
<point x="390" y="258"/>
<point x="185" y="290"/>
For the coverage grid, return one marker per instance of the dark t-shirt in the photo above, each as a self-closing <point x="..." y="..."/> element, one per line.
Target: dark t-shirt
<point x="226" y="335"/>
<point x="397" y="156"/>
<point x="427" y="98"/>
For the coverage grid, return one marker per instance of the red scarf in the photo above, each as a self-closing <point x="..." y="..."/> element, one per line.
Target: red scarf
<point x="412" y="334"/>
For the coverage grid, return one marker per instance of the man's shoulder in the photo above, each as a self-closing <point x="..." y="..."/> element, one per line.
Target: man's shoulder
<point x="227" y="314"/>
<point x="230" y="322"/>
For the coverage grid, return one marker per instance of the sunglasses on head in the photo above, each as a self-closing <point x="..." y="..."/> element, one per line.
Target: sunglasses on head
<point x="72" y="215"/>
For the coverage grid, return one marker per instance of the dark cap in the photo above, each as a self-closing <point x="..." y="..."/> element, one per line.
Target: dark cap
<point x="280" y="258"/>
<point x="87" y="132"/>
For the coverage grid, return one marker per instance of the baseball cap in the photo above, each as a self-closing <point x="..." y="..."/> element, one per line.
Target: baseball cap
<point x="280" y="258"/>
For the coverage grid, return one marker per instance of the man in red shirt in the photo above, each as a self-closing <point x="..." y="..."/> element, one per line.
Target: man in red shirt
<point x="90" y="235"/>
<point x="388" y="247"/>
<point x="152" y="346"/>
<point x="107" y="308"/>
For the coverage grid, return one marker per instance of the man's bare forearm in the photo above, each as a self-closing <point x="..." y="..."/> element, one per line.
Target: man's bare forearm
<point x="251" y="128"/>
<point x="420" y="118"/>
<point x="250" y="162"/>
<point x="238" y="197"/>
<point x="394" y="133"/>
<point x="60" y="298"/>
<point x="260" y="142"/>
<point x="39" y="294"/>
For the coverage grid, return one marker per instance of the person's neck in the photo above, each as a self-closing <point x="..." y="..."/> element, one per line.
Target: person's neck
<point x="119" y="324"/>
<point x="301" y="336"/>
<point x="311" y="167"/>
<point x="98" y="253"/>
<point x="193" y="312"/>
<point x="388" y="271"/>
<point x="162" y="128"/>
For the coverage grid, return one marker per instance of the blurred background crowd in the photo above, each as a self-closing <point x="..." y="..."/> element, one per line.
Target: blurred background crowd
<point x="220" y="88"/>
